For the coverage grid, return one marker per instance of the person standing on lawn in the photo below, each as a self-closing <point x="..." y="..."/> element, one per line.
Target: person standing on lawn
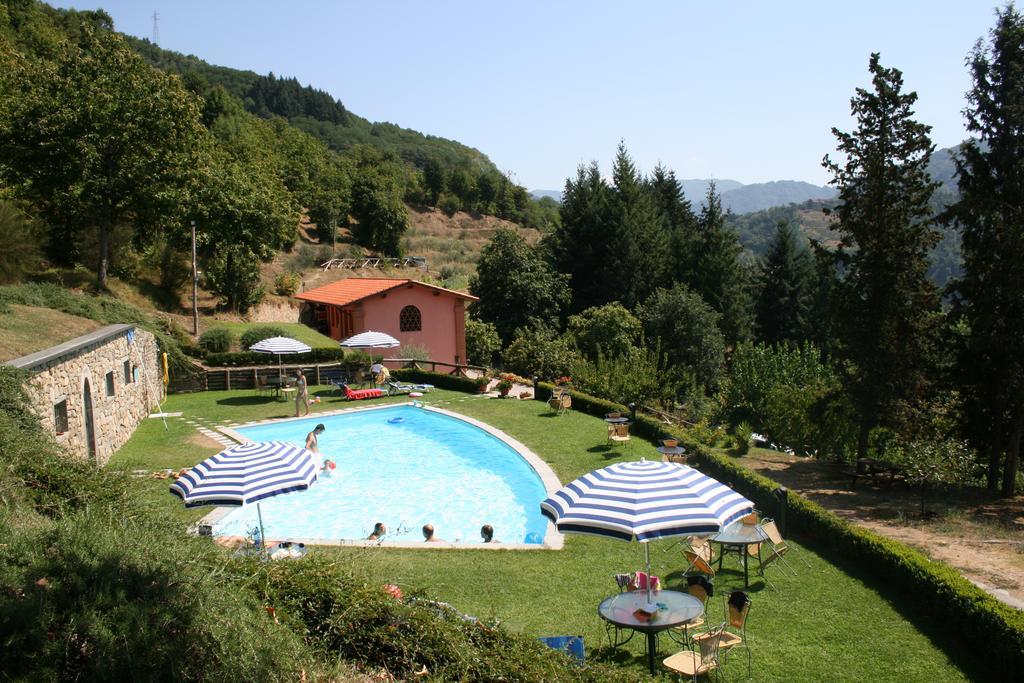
<point x="301" y="393"/>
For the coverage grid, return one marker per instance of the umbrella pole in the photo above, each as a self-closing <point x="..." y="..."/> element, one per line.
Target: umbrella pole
<point x="280" y="373"/>
<point x="647" y="559"/>
<point x="263" y="535"/>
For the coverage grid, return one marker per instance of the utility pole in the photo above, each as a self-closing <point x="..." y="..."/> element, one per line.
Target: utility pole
<point x="156" y="28"/>
<point x="195" y="285"/>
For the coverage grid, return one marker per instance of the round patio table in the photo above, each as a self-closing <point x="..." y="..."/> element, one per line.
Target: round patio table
<point x="737" y="536"/>
<point x="672" y="453"/>
<point x="674" y="609"/>
<point x="617" y="420"/>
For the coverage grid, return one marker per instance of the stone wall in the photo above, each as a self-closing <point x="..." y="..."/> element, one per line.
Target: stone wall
<point x="62" y="373"/>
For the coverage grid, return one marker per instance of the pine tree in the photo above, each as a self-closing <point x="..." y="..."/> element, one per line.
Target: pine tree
<point x="718" y="275"/>
<point x="680" y="222"/>
<point x="580" y="246"/>
<point x="886" y="304"/>
<point x="990" y="216"/>
<point x="783" y="308"/>
<point x="641" y="243"/>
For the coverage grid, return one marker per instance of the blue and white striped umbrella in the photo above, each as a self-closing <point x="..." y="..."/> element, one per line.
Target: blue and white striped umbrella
<point x="248" y="473"/>
<point x="643" y="501"/>
<point x="280" y="345"/>
<point x="371" y="340"/>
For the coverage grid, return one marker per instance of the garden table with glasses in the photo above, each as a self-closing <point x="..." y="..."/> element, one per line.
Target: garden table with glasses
<point x="673" y="609"/>
<point x="735" y="538"/>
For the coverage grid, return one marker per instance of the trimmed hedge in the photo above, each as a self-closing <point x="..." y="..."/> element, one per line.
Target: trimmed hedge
<point x="244" y="358"/>
<point x="991" y="630"/>
<point x="438" y="379"/>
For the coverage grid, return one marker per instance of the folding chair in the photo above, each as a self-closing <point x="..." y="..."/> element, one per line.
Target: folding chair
<point x="776" y="541"/>
<point x="693" y="664"/>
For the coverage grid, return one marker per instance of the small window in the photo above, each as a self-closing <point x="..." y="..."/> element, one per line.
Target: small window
<point x="110" y="383"/>
<point x="60" y="416"/>
<point x="127" y="372"/>
<point x="409" y="320"/>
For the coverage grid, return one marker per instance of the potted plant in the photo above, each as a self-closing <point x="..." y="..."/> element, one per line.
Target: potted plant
<point x="481" y="384"/>
<point x="504" y="386"/>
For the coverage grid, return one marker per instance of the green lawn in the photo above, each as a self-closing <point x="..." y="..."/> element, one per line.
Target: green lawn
<point x="824" y="624"/>
<point x="303" y="333"/>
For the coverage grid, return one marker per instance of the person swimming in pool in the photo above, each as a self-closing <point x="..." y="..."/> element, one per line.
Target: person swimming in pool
<point x="311" y="443"/>
<point x="378" y="532"/>
<point x="428" y="534"/>
<point x="487" y="533"/>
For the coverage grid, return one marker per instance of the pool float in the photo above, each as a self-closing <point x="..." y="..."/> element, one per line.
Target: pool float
<point x="415" y="394"/>
<point x="532" y="537"/>
<point x="396" y="420"/>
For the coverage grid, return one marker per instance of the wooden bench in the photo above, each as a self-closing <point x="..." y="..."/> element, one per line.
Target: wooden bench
<point x="877" y="471"/>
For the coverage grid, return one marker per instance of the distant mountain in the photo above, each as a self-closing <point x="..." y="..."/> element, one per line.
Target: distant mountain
<point x="696" y="189"/>
<point x="758" y="196"/>
<point x="551" y="194"/>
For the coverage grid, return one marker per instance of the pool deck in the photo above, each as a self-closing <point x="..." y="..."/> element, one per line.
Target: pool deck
<point x="553" y="539"/>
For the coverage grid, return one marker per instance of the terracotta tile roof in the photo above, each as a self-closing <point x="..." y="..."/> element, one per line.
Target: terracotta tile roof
<point x="353" y="289"/>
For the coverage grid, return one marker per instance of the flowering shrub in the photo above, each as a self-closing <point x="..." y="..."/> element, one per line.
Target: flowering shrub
<point x="563" y="380"/>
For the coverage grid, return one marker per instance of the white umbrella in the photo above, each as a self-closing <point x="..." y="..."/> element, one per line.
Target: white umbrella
<point x="371" y="340"/>
<point x="280" y="346"/>
<point x="643" y="501"/>
<point x="248" y="473"/>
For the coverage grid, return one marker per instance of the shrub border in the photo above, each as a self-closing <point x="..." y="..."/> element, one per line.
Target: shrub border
<point x="992" y="631"/>
<point x="438" y="379"/>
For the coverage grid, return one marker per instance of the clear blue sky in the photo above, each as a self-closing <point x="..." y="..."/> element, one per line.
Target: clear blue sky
<point x="741" y="90"/>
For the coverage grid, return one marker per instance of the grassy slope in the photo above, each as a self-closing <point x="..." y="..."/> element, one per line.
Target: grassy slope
<point x="824" y="624"/>
<point x="298" y="331"/>
<point x="27" y="329"/>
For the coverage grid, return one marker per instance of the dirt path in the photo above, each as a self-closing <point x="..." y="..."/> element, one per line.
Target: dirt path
<point x="981" y="537"/>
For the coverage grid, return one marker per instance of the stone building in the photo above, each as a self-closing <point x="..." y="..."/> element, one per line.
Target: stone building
<point x="93" y="391"/>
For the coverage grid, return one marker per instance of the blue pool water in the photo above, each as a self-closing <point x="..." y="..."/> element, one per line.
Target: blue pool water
<point x="405" y="467"/>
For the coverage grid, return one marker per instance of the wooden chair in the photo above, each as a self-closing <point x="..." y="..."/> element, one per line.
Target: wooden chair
<point x="779" y="545"/>
<point x="698" y="591"/>
<point x="560" y="401"/>
<point x="618" y="433"/>
<point x="693" y="664"/>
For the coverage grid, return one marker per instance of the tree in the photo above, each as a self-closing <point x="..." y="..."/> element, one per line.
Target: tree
<point x="378" y="206"/>
<point x="580" y="246"/>
<point x="680" y="222"/>
<point x="609" y="329"/>
<point x="886" y="307"/>
<point x="688" y="332"/>
<point x="515" y="284"/>
<point x="97" y="138"/>
<point x="990" y="216"/>
<point x="640" y="244"/>
<point x="631" y="375"/>
<point x="538" y="349"/>
<point x="718" y="275"/>
<point x="19" y="247"/>
<point x="784" y="303"/>
<point x="482" y="342"/>
<point x="435" y="180"/>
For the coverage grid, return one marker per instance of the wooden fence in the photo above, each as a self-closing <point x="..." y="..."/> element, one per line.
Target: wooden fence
<point x="227" y="378"/>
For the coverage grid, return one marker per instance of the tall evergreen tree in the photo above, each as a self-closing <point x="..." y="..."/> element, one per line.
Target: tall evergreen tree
<point x="990" y="215"/>
<point x="718" y="275"/>
<point x="580" y="246"/>
<point x="785" y="299"/>
<point x="680" y="222"/>
<point x="641" y="243"/>
<point x="886" y="304"/>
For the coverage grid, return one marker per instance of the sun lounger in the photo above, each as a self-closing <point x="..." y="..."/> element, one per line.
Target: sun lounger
<point x="360" y="394"/>
<point x="399" y="388"/>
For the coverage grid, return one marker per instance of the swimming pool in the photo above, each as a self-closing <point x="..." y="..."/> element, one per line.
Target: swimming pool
<point x="404" y="466"/>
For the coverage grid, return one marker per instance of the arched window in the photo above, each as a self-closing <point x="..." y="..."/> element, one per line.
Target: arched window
<point x="409" y="319"/>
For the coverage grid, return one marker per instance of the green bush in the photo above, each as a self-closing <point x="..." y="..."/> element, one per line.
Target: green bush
<point x="258" y="334"/>
<point x="217" y="340"/>
<point x="990" y="629"/>
<point x="286" y="284"/>
<point x="742" y="434"/>
<point x="246" y="358"/>
<point x="438" y="379"/>
<point x="540" y="350"/>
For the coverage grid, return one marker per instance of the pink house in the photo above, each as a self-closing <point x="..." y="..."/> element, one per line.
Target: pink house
<point x="412" y="312"/>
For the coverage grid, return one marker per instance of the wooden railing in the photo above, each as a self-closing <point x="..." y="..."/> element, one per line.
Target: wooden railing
<point x="246" y="377"/>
